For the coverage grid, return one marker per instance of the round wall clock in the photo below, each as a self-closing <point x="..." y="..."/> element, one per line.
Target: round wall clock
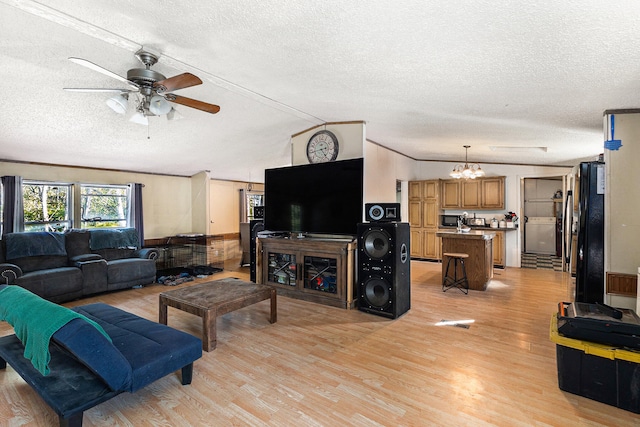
<point x="322" y="147"/>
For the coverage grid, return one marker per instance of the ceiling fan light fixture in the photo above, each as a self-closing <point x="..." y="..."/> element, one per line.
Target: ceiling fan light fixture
<point x="159" y="106"/>
<point x="119" y="103"/>
<point x="139" y="118"/>
<point x="174" y="114"/>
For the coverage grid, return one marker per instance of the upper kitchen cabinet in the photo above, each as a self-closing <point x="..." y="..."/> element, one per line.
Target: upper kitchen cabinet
<point x="430" y="189"/>
<point x="471" y="194"/>
<point x="450" y="195"/>
<point x="415" y="190"/>
<point x="479" y="193"/>
<point x="492" y="193"/>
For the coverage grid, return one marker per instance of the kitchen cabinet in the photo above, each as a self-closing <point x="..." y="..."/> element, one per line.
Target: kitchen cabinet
<point x="499" y="249"/>
<point x="430" y="189"/>
<point x="424" y="218"/>
<point x="415" y="213"/>
<point x="425" y="244"/>
<point x="316" y="270"/>
<point x="416" y="243"/>
<point x="430" y="213"/>
<point x="450" y="194"/>
<point x="415" y="190"/>
<point x="431" y="244"/>
<point x="471" y="194"/>
<point x="492" y="193"/>
<point x="479" y="193"/>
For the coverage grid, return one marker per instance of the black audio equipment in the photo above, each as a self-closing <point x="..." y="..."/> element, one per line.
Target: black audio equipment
<point x="258" y="212"/>
<point x="382" y="212"/>
<point x="384" y="278"/>
<point x="255" y="226"/>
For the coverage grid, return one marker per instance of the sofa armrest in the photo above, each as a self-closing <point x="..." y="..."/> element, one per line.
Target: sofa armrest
<point x="147" y="253"/>
<point x="9" y="273"/>
<point x="94" y="274"/>
<point x="79" y="259"/>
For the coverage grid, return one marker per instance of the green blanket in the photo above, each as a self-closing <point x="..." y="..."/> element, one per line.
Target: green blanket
<point x="34" y="321"/>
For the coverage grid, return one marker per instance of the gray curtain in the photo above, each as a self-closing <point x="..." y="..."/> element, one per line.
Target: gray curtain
<point x="135" y="210"/>
<point x="13" y="210"/>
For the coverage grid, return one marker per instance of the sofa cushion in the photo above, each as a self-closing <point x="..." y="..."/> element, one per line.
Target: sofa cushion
<point x="111" y="254"/>
<point x="113" y="238"/>
<point x="36" y="263"/>
<point x="130" y="269"/>
<point x="152" y="349"/>
<point x="96" y="352"/>
<point x="40" y="243"/>
<point x="53" y="282"/>
<point x="77" y="242"/>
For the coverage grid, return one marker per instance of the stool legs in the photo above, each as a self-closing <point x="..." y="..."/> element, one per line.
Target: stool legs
<point x="449" y="282"/>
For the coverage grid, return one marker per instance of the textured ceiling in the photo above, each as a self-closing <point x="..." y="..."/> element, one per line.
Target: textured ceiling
<point x="426" y="76"/>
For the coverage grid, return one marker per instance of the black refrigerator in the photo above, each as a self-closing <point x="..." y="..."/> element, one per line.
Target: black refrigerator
<point x="590" y="262"/>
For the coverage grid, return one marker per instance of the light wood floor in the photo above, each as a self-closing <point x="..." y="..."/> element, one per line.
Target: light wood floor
<point x="324" y="366"/>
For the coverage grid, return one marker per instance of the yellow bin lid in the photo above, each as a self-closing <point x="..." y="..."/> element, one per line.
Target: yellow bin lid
<point x="595" y="349"/>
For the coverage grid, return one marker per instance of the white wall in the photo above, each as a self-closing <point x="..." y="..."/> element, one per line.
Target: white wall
<point x="200" y="202"/>
<point x="225" y="205"/>
<point x="622" y="201"/>
<point x="167" y="208"/>
<point x="382" y="168"/>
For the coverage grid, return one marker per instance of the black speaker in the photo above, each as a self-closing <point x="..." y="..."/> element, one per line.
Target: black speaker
<point x="384" y="274"/>
<point x="382" y="212"/>
<point x="255" y="226"/>
<point x="258" y="212"/>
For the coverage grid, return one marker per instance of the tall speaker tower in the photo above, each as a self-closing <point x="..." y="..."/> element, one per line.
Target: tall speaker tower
<point x="384" y="268"/>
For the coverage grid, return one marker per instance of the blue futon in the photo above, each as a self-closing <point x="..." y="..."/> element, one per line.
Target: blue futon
<point x="98" y="352"/>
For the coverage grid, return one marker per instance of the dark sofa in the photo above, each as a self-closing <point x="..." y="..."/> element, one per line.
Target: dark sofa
<point x="65" y="266"/>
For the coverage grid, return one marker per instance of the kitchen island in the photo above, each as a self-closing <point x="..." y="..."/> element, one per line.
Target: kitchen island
<point x="479" y="246"/>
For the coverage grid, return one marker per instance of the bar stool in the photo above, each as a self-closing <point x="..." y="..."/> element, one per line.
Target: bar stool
<point x="452" y="281"/>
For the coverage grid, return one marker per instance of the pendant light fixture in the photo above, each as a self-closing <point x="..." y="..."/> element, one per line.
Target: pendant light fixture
<point x="467" y="171"/>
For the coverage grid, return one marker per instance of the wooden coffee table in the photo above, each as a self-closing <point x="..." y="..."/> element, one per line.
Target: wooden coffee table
<point x="212" y="299"/>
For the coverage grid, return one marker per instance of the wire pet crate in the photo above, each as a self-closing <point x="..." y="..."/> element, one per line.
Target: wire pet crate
<point x="195" y="254"/>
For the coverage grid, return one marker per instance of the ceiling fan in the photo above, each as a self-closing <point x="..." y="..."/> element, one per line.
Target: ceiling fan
<point x="153" y="90"/>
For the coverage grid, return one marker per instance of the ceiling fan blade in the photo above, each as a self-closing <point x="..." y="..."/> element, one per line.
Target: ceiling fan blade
<point x="93" y="90"/>
<point x="180" y="81"/>
<point x="95" y="67"/>
<point x="183" y="100"/>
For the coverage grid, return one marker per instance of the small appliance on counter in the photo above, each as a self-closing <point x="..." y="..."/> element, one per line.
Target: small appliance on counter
<point x="450" y="220"/>
<point x="478" y="222"/>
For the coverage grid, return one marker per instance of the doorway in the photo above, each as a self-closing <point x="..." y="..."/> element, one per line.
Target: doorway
<point x="542" y="223"/>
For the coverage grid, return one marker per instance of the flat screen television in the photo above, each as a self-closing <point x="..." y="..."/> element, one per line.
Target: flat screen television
<point x="323" y="198"/>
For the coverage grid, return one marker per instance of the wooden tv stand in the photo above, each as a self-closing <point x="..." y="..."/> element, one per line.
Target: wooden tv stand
<point x="316" y="270"/>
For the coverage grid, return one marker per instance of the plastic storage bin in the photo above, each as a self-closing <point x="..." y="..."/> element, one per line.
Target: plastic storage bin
<point x="607" y="374"/>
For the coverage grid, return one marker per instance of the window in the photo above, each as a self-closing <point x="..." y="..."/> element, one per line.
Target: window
<point x="104" y="205"/>
<point x="47" y="206"/>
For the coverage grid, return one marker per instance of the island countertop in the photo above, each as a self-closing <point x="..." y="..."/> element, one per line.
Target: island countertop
<point x="473" y="234"/>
